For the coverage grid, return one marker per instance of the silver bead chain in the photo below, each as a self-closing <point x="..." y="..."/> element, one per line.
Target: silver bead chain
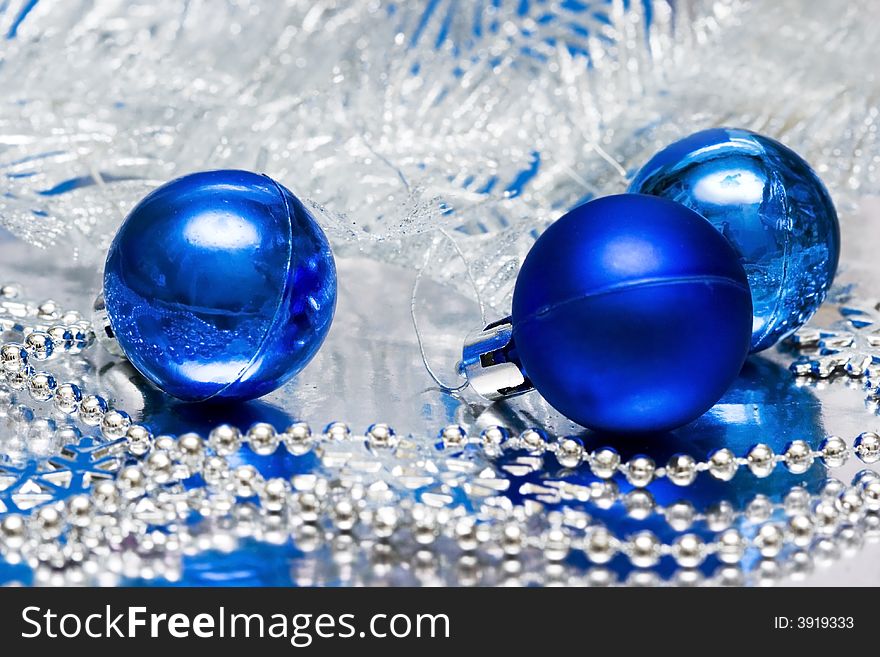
<point x="148" y="494"/>
<point x="681" y="469"/>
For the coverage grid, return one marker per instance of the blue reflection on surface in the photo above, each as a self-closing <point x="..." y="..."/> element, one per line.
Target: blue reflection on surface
<point x="763" y="405"/>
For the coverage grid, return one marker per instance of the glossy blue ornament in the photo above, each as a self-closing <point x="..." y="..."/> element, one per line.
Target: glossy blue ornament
<point x="631" y="314"/>
<point x="220" y="285"/>
<point x="771" y="206"/>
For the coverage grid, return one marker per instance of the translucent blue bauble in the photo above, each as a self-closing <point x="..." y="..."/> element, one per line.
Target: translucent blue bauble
<point x="220" y="286"/>
<point x="631" y="314"/>
<point x="771" y="206"/>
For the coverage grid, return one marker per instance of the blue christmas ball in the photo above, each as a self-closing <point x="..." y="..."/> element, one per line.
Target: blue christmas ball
<point x="220" y="285"/>
<point x="771" y="206"/>
<point x="631" y="314"/>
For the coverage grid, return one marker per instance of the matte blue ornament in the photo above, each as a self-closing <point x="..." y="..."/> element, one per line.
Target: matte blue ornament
<point x="220" y="285"/>
<point x="631" y="314"/>
<point x="771" y="206"/>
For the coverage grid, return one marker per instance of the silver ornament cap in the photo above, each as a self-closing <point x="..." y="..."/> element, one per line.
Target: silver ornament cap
<point x="488" y="364"/>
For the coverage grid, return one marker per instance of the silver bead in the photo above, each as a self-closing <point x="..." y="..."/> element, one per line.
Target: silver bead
<point x="337" y="431"/>
<point x="115" y="424"/>
<point x="687" y="577"/>
<point x="569" y="453"/>
<point x="13" y="531"/>
<point x="247" y="481"/>
<point x="511" y="539"/>
<point x="867" y="447"/>
<point x="62" y="337"/>
<point x="71" y="318"/>
<point x="465" y="532"/>
<point x="67" y="398"/>
<point x="92" y="409"/>
<point x="826" y="516"/>
<point x="604" y="462"/>
<point x="533" y="441"/>
<point x="189" y="450"/>
<point x="453" y="436"/>
<point x="800" y="564"/>
<point x="681" y="470"/>
<point x="106" y="496"/>
<point x="224" y="439"/>
<point x="424" y="527"/>
<point x="159" y="466"/>
<point x="723" y="464"/>
<point x="165" y="443"/>
<point x="798" y="457"/>
<point x="20" y="379"/>
<point x="273" y="496"/>
<point x="298" y="438"/>
<point x="871" y="523"/>
<point x="643" y="578"/>
<point x="344" y="515"/>
<point x="832" y="489"/>
<point x="800" y="529"/>
<point x="767" y="572"/>
<point x="491" y="439"/>
<point x="131" y="482"/>
<point x="597" y="577"/>
<point x="42" y="386"/>
<point x="759" y="509"/>
<point x="81" y="337"/>
<point x="604" y="494"/>
<point x="138" y="440"/>
<point x="263" y="439"/>
<point x="48" y="310"/>
<point x="381" y="435"/>
<point x="850" y="505"/>
<point x="644" y="549"/>
<point x="680" y="515"/>
<point x="48" y="522"/>
<point x="730" y="546"/>
<point x="834" y="452"/>
<point x="557" y="544"/>
<point x="639" y="504"/>
<point x="640" y="471"/>
<point x="39" y="345"/>
<point x="769" y="540"/>
<point x="385" y="521"/>
<point x="10" y="291"/>
<point x="825" y="551"/>
<point x="761" y="460"/>
<point x="871" y="495"/>
<point x="215" y="471"/>
<point x="308" y="506"/>
<point x="79" y="510"/>
<point x="13" y="357"/>
<point x="851" y="540"/>
<point x="689" y="550"/>
<point x="307" y="537"/>
<point x="797" y="501"/>
<point x="600" y="545"/>
<point x="865" y="476"/>
<point x="729" y="576"/>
